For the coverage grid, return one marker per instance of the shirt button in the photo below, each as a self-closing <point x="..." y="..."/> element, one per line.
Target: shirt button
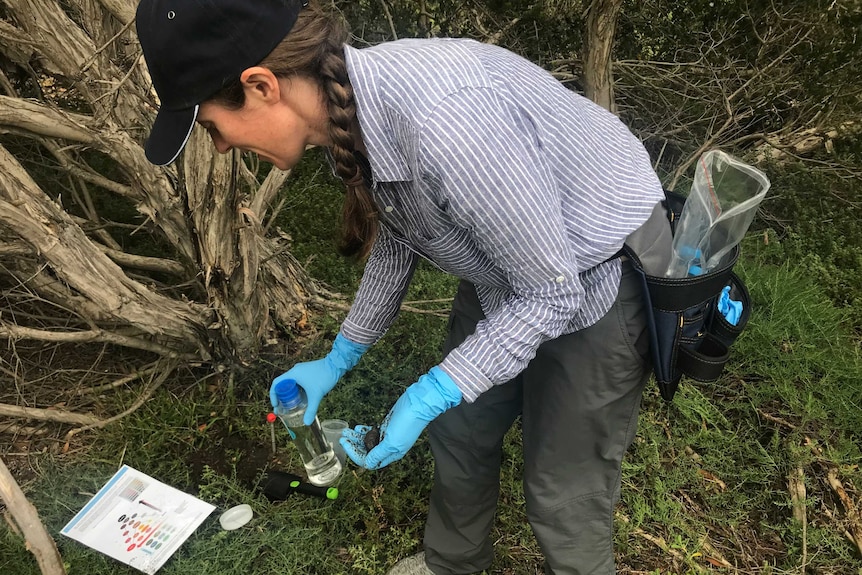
<point x="560" y="279"/>
<point x="388" y="209"/>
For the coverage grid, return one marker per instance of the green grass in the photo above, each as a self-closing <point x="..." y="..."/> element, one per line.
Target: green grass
<point x="707" y="474"/>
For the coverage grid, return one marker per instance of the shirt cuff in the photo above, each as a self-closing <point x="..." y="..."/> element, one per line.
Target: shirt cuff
<point x="469" y="379"/>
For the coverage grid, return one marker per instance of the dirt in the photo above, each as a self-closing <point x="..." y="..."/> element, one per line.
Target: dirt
<point x="225" y="452"/>
<point x="372" y="438"/>
<point x="50" y="377"/>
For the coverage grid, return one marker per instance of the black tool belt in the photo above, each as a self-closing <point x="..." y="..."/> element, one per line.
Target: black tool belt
<point x="688" y="334"/>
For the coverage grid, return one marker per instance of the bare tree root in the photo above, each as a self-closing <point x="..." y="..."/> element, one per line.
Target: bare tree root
<point x="38" y="541"/>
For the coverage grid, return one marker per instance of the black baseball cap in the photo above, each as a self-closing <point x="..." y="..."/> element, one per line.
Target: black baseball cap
<point x="193" y="48"/>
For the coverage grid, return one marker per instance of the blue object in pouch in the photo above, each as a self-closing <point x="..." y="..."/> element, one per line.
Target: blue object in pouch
<point x="730" y="309"/>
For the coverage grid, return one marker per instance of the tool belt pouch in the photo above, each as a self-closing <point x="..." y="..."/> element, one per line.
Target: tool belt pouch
<point x="688" y="334"/>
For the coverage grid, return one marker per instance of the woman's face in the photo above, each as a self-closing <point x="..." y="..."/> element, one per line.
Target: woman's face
<point x="279" y="119"/>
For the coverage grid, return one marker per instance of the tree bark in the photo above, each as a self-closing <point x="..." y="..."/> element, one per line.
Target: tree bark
<point x="234" y="285"/>
<point x="38" y="541"/>
<point x="28" y="212"/>
<point x="599" y="41"/>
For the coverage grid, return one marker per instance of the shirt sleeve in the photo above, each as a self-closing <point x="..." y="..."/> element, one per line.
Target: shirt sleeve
<point x="384" y="283"/>
<point x="485" y="162"/>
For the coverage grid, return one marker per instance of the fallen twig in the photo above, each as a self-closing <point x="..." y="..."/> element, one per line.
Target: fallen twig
<point x="38" y="541"/>
<point x="145" y="395"/>
<point x="796" y="487"/>
<point x="7" y="410"/>
<point x="147" y="370"/>
<point x="855" y="527"/>
<point x="661" y="544"/>
<point x="776" y="419"/>
<point x="713" y="556"/>
<point x="21" y="429"/>
<point x="443" y="312"/>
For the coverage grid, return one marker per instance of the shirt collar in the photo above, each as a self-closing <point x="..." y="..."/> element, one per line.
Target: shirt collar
<point x="388" y="159"/>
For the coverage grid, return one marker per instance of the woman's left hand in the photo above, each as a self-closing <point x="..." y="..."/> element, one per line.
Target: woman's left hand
<point x="434" y="393"/>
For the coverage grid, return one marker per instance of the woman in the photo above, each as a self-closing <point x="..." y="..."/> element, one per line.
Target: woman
<point x="481" y="162"/>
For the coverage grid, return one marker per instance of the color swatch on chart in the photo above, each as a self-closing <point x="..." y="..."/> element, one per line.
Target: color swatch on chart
<point x="146" y="531"/>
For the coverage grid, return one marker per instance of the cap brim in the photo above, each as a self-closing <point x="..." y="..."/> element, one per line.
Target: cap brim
<point x="169" y="135"/>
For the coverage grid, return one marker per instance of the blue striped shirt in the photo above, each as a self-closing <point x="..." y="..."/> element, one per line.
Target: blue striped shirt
<point x="495" y="172"/>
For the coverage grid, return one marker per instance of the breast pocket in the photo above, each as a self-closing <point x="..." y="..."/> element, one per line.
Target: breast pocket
<point x="455" y="251"/>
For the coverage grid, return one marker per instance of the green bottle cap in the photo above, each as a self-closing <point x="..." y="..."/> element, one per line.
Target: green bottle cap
<point x="332" y="493"/>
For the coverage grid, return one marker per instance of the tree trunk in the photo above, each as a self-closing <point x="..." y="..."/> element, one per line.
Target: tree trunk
<point x="599" y="41"/>
<point x="75" y="86"/>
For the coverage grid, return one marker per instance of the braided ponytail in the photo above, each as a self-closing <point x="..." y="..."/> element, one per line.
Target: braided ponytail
<point x="314" y="49"/>
<point x="359" y="218"/>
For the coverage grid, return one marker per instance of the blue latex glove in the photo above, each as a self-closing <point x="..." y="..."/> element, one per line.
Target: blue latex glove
<point x="730" y="309"/>
<point x="318" y="377"/>
<point x="434" y="393"/>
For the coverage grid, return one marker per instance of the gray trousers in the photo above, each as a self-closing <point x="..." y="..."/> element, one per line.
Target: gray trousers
<point x="578" y="400"/>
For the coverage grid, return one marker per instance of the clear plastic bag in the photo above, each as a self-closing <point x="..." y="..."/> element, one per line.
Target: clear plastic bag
<point x="720" y="207"/>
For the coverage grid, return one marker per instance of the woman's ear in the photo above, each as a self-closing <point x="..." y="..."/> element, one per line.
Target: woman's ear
<point x="260" y="83"/>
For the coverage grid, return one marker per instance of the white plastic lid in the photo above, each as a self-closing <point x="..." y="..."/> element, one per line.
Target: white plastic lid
<point x="235" y="517"/>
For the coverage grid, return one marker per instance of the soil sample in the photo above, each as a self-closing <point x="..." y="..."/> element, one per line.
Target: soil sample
<point x="372" y="438"/>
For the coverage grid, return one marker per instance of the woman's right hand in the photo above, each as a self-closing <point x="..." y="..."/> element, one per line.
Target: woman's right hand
<point x="317" y="378"/>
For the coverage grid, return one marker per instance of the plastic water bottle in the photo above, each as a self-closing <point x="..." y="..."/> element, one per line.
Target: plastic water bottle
<point x="317" y="455"/>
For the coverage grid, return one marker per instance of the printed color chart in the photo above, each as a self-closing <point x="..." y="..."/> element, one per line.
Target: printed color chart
<point x="137" y="520"/>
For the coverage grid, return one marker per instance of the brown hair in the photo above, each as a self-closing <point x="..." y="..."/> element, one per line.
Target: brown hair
<point x="314" y="49"/>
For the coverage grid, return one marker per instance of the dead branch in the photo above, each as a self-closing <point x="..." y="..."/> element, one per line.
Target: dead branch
<point x="15" y="249"/>
<point x="25" y="430"/>
<point x="142" y="399"/>
<point x="146" y="263"/>
<point x="327" y="303"/>
<point x="27" y="519"/>
<point x="266" y="193"/>
<point x="54" y="415"/>
<point x="775" y="419"/>
<point x="389" y="19"/>
<point x="29" y="213"/>
<point x="855" y="527"/>
<point x="146" y="370"/>
<point x="123" y="10"/>
<point x="849" y="536"/>
<point x="796" y="487"/>
<point x="36" y="118"/>
<point x="659" y="542"/>
<point x="713" y="555"/>
<point x="90" y="336"/>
